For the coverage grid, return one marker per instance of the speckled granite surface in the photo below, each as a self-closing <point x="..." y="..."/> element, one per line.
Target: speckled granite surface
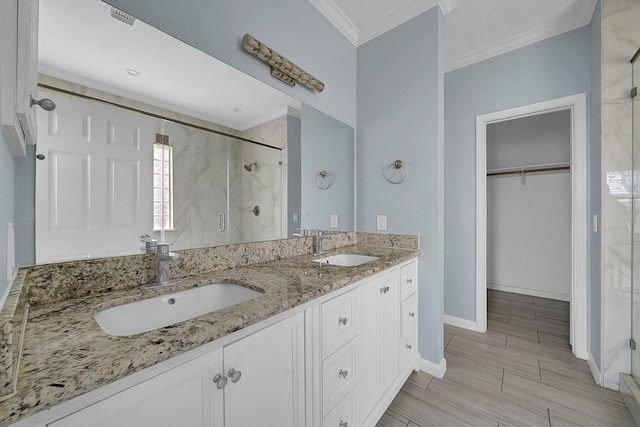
<point x="66" y="354"/>
<point x="77" y="279"/>
<point x="11" y="320"/>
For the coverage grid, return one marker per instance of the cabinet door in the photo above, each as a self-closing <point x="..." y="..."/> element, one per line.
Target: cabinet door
<point x="27" y="63"/>
<point x="270" y="388"/>
<point x="379" y="336"/>
<point x="183" y="396"/>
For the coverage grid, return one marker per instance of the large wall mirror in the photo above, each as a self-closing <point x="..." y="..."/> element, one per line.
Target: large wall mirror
<point x="151" y="136"/>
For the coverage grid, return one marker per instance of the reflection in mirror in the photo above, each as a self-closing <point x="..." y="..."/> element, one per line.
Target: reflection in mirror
<point x="213" y="115"/>
<point x="328" y="147"/>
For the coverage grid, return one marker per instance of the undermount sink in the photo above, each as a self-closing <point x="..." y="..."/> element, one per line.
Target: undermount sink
<point x="164" y="310"/>
<point x="346" y="260"/>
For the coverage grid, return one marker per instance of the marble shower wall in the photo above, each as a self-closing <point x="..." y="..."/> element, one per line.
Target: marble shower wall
<point x="199" y="186"/>
<point x="203" y="162"/>
<point x="621" y="39"/>
<point x="264" y="186"/>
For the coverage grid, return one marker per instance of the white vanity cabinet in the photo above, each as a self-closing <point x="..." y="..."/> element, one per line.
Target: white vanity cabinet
<point x="271" y="386"/>
<point x="257" y="380"/>
<point x="340" y="321"/>
<point x="337" y="361"/>
<point x="379" y="337"/>
<point x="184" y="395"/>
<point x="408" y="313"/>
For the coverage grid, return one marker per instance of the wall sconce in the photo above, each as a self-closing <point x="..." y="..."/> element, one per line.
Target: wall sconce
<point x="281" y="67"/>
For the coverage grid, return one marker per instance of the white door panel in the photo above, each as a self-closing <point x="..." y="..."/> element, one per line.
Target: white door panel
<point x="94" y="187"/>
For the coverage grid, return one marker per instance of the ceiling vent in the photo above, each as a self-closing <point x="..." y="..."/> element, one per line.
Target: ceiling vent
<point x="121" y="16"/>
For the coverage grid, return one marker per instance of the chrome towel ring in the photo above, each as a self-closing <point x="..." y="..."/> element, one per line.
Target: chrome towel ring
<point x="396" y="172"/>
<point x="323" y="180"/>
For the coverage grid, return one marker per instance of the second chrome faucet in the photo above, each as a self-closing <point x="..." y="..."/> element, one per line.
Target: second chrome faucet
<point x="320" y="237"/>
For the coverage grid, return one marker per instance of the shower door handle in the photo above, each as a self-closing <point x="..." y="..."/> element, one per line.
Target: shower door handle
<point x="222" y="225"/>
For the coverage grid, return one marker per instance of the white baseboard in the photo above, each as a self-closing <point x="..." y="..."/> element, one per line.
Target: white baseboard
<point x="526" y="291"/>
<point x="436" y="369"/>
<point x="593" y="367"/>
<point x="460" y="323"/>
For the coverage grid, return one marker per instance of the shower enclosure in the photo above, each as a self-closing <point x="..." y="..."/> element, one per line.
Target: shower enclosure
<point x="226" y="190"/>
<point x="635" y="247"/>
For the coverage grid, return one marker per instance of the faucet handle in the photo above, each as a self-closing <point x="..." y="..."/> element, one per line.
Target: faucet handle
<point x="150" y="244"/>
<point x="303" y="233"/>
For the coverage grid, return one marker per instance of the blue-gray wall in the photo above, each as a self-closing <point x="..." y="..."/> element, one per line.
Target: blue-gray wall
<point x="327" y="145"/>
<point x="293" y="173"/>
<point x="294" y="28"/>
<point x="552" y="68"/>
<point x="25" y="208"/>
<point x="595" y="193"/>
<point x="7" y="206"/>
<point x="399" y="116"/>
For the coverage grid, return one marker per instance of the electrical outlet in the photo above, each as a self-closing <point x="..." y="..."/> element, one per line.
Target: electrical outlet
<point x="594" y="225"/>
<point x="381" y="222"/>
<point x="295" y="217"/>
<point x="334" y="221"/>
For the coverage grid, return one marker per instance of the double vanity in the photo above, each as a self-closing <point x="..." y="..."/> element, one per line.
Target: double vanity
<point x="294" y="340"/>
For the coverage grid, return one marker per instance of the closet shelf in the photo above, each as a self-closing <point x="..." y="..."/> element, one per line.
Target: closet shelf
<point x="529" y="169"/>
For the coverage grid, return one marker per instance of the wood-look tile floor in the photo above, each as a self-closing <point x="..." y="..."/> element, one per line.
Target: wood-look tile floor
<point x="519" y="373"/>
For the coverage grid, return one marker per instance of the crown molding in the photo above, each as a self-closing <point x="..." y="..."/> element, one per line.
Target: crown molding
<point x="269" y="117"/>
<point x="339" y="20"/>
<point x="447" y="6"/>
<point x="397" y="17"/>
<point x="385" y="23"/>
<point x="521" y="40"/>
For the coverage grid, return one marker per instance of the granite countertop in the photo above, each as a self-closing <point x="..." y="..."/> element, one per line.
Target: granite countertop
<point x="66" y="354"/>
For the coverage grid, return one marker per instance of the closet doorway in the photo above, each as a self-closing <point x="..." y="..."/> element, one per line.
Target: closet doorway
<point x="549" y="175"/>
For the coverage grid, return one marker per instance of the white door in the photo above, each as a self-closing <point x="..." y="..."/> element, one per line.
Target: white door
<point x="94" y="187"/>
<point x="269" y="390"/>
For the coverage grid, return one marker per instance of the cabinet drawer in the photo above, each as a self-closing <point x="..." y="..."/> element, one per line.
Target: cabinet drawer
<point x="339" y="321"/>
<point x="345" y="413"/>
<point x="408" y="280"/>
<point x="408" y="345"/>
<point x="408" y="313"/>
<point x="339" y="375"/>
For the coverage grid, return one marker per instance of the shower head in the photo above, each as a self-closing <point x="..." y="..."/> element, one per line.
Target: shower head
<point x="249" y="167"/>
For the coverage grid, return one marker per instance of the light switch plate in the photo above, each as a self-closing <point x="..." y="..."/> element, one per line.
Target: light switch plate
<point x="594" y="224"/>
<point x="381" y="222"/>
<point x="334" y="221"/>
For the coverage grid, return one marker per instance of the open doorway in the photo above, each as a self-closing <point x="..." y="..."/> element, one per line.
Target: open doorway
<point x="575" y="107"/>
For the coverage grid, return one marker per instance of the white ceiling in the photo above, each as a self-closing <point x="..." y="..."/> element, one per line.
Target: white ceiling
<point x="80" y="42"/>
<point x="473" y="29"/>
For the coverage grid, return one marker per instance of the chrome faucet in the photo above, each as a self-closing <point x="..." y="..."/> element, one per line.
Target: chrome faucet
<point x="319" y="238"/>
<point x="163" y="262"/>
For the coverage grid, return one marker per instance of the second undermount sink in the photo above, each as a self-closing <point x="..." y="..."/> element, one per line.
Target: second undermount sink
<point x="346" y="260"/>
<point x="164" y="310"/>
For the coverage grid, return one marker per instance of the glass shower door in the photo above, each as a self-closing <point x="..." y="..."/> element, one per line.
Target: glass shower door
<point x="635" y="238"/>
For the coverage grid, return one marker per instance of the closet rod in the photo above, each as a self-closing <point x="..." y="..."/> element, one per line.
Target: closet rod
<point x="528" y="170"/>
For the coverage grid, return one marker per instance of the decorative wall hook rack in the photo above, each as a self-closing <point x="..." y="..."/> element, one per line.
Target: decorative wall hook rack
<point x="396" y="172"/>
<point x="323" y="180"/>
